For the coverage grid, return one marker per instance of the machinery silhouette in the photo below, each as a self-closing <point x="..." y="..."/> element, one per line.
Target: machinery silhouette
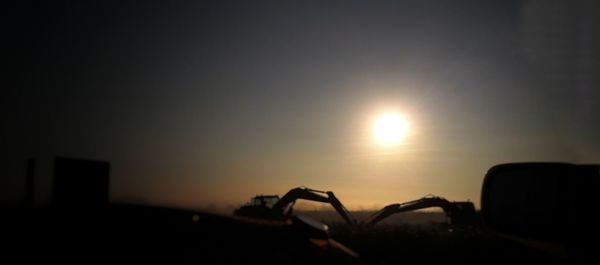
<point x="274" y="208"/>
<point x="457" y="213"/>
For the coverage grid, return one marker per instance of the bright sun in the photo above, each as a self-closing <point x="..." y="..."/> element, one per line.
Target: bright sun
<point x="390" y="128"/>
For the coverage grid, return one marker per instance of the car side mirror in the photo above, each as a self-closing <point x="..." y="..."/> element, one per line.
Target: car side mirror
<point x="551" y="203"/>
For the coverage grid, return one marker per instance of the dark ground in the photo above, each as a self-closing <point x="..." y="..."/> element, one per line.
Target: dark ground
<point x="424" y="237"/>
<point x="140" y="234"/>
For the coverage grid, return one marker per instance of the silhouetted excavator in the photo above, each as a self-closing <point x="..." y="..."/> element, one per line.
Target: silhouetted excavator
<point x="275" y="208"/>
<point x="457" y="213"/>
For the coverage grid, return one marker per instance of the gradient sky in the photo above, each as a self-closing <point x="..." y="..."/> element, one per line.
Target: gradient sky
<point x="199" y="104"/>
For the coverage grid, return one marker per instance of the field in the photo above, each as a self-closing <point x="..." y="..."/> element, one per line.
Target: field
<point x="424" y="237"/>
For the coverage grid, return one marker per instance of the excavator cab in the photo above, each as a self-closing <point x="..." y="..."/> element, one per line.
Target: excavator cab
<point x="264" y="200"/>
<point x="260" y="206"/>
<point x="463" y="214"/>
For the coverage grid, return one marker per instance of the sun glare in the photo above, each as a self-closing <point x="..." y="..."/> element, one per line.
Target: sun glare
<point x="390" y="128"/>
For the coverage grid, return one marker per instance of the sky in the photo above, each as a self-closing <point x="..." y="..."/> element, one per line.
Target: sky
<point x="205" y="104"/>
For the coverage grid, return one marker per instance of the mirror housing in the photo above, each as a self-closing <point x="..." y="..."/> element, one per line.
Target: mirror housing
<point x="552" y="203"/>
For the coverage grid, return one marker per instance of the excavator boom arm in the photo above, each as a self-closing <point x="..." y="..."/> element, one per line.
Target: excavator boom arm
<point x="339" y="207"/>
<point x="426" y="202"/>
<point x="283" y="205"/>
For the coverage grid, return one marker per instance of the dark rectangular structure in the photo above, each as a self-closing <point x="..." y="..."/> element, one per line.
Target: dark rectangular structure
<point x="80" y="183"/>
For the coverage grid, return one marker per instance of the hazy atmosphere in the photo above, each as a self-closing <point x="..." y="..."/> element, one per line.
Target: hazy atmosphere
<point x="206" y="104"/>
